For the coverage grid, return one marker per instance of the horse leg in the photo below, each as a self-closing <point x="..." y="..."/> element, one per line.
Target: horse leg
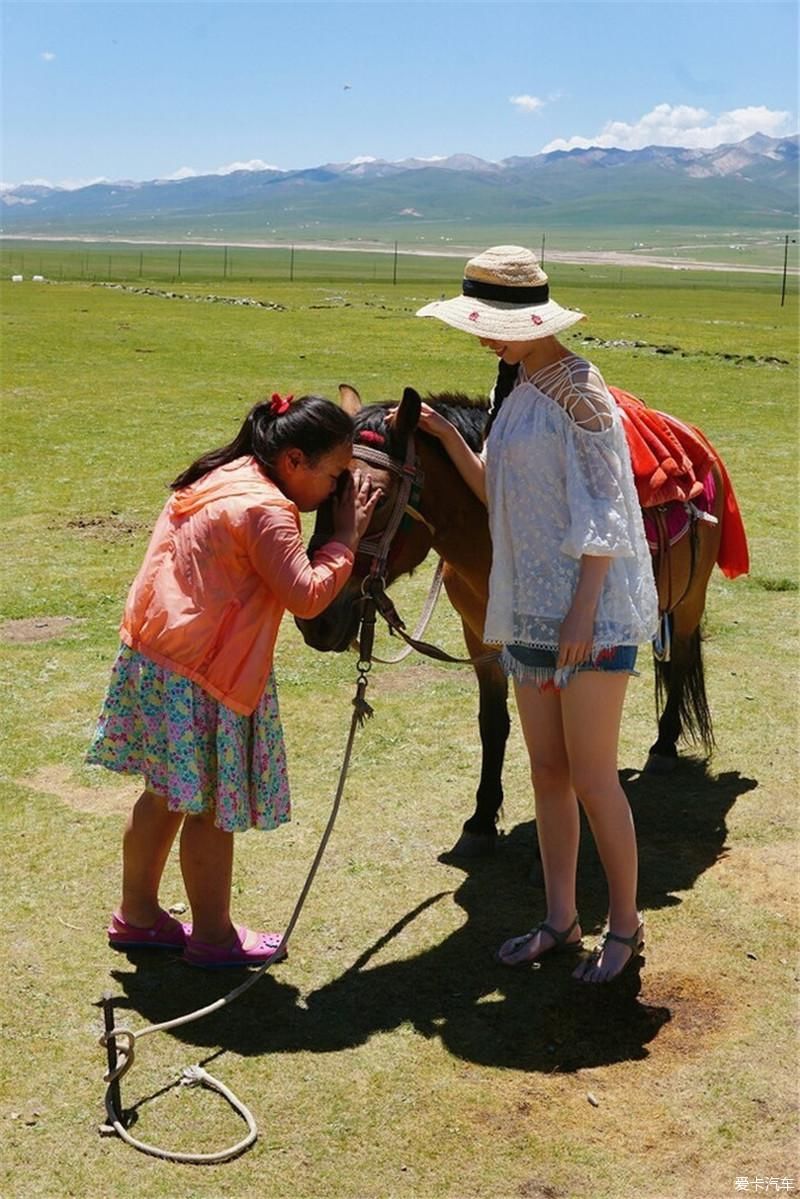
<point x="681" y="680"/>
<point x="479" y="835"/>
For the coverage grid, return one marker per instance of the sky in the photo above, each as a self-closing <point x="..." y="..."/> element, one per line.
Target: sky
<point x="127" y="89"/>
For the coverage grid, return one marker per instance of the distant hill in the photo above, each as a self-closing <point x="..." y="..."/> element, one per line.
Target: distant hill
<point x="749" y="185"/>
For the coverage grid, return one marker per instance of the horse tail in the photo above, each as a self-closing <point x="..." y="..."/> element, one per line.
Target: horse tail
<point x="680" y="690"/>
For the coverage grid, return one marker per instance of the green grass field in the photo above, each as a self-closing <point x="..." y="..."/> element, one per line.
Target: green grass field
<point x="389" y="1056"/>
<point x="375" y="262"/>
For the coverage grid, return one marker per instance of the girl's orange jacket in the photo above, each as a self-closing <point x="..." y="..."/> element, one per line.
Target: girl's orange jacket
<point x="225" y="561"/>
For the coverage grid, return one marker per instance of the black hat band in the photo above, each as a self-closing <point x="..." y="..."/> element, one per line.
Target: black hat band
<point x="477" y="290"/>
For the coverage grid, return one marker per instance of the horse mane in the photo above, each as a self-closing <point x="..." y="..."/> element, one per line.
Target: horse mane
<point x="467" y="414"/>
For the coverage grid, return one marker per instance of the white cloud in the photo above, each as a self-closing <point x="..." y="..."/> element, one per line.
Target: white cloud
<point x="47" y="56"/>
<point x="527" y="103"/>
<point x="182" y="173"/>
<point x="71" y="185"/>
<point x="68" y="185"/>
<point x="682" y="125"/>
<point x="253" y="164"/>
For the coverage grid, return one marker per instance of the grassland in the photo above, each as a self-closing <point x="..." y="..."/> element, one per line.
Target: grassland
<point x="389" y="1056"/>
<point x="371" y="256"/>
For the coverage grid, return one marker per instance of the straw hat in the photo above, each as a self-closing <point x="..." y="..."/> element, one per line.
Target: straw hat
<point x="505" y="297"/>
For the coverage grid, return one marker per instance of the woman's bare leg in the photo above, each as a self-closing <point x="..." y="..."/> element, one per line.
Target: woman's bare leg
<point x="592" y="711"/>
<point x="557" y="821"/>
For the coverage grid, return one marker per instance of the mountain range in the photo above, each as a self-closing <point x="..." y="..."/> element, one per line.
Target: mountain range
<point x="748" y="185"/>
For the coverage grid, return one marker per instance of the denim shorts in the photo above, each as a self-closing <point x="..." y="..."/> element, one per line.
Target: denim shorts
<point x="527" y="664"/>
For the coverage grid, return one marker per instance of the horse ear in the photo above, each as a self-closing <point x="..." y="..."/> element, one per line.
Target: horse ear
<point x="407" y="416"/>
<point x="349" y="399"/>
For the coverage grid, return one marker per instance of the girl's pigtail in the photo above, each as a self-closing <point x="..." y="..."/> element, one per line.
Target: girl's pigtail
<point x="242" y="446"/>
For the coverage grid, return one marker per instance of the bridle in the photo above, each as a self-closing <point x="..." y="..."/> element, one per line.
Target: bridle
<point x="411" y="480"/>
<point x="373" y="585"/>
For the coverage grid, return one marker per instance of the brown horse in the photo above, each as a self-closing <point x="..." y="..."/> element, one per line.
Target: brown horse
<point x="448" y="518"/>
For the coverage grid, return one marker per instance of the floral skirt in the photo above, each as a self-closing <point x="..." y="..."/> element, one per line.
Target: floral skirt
<point x="191" y="749"/>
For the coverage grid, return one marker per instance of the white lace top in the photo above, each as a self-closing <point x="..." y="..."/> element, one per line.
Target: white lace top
<point x="559" y="485"/>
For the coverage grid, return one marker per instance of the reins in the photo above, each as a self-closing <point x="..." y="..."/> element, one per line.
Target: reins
<point x="374" y="584"/>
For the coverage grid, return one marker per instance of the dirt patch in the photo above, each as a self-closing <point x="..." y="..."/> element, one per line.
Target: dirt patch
<point x="111" y="798"/>
<point x="404" y="677"/>
<point x="534" y="1189"/>
<point x="698" y="1014"/>
<point x="35" y="628"/>
<point x="111" y="527"/>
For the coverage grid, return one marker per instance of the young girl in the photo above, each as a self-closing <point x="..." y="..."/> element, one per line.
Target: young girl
<point x="571" y="591"/>
<point x="191" y="704"/>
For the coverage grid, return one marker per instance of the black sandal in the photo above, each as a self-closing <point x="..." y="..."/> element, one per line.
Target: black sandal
<point x="635" y="944"/>
<point x="560" y="943"/>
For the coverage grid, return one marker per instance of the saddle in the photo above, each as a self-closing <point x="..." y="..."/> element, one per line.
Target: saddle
<point x="672" y="472"/>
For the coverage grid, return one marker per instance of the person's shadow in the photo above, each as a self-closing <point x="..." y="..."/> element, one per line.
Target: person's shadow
<point x="523" y="1019"/>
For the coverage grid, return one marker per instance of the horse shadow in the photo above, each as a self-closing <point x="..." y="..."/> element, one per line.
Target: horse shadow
<point x="522" y="1019"/>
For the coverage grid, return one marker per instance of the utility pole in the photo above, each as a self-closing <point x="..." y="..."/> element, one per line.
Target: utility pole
<point x="394" y="268"/>
<point x="541" y="260"/>
<point x="786" y="241"/>
<point x="291" y="265"/>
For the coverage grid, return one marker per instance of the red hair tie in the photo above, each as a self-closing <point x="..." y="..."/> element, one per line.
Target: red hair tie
<point x="279" y="404"/>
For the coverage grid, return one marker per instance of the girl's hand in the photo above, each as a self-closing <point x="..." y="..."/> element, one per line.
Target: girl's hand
<point x="575" y="637"/>
<point x="429" y="421"/>
<point x="353" y="505"/>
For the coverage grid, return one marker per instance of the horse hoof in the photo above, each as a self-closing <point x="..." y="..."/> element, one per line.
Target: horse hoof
<point x="474" y="845"/>
<point x="660" y="764"/>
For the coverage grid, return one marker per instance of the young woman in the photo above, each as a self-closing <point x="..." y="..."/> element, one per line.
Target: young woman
<point x="571" y="592"/>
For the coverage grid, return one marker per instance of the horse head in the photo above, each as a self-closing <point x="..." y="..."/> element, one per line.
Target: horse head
<point x="336" y="628"/>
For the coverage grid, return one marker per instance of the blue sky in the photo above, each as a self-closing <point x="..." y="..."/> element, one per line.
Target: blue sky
<point x="137" y="90"/>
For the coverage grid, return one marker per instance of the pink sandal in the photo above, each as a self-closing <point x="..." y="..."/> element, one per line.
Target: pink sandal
<point x="166" y="933"/>
<point x="263" y="947"/>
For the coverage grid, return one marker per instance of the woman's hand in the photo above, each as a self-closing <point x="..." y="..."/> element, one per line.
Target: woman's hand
<point x="353" y="505"/>
<point x="429" y="421"/>
<point x="575" y="637"/>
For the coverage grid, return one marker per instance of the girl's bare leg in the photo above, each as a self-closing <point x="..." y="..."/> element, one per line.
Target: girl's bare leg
<point x="557" y="821"/>
<point x="592" y="712"/>
<point x="206" y="854"/>
<point x="147" y="840"/>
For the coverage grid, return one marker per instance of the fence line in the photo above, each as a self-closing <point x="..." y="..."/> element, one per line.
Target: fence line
<point x="289" y="264"/>
<point x="202" y="263"/>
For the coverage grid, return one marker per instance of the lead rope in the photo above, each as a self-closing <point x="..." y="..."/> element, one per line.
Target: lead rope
<point x="120" y="1042"/>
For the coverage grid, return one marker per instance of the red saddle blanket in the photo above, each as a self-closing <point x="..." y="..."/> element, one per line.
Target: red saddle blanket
<point x="671" y="461"/>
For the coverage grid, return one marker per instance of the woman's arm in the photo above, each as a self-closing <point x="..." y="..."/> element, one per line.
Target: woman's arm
<point x="469" y="465"/>
<point x="577" y="628"/>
